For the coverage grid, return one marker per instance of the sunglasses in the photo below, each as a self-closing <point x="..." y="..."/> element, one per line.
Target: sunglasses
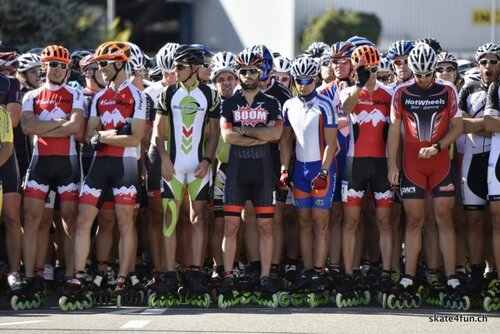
<point x="426" y="75"/>
<point x="304" y="81"/>
<point x="281" y="79"/>
<point x="340" y="61"/>
<point x="104" y="63"/>
<point x="181" y="67"/>
<point x="399" y="62"/>
<point x="326" y="62"/>
<point x="485" y="62"/>
<point x="447" y="69"/>
<point x="383" y="78"/>
<point x="250" y="71"/>
<point x="207" y="65"/>
<point x="56" y="64"/>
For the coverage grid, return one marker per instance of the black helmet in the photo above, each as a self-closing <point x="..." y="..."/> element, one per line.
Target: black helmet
<point x="190" y="54"/>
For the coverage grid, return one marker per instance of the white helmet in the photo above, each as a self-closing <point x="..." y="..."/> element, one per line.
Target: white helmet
<point x="484" y="49"/>
<point x="305" y="66"/>
<point x="165" y="57"/>
<point x="384" y="65"/>
<point x="422" y="59"/>
<point x="28" y="61"/>
<point x="137" y="61"/>
<point x="282" y="64"/>
<point x="223" y="62"/>
<point x="472" y="75"/>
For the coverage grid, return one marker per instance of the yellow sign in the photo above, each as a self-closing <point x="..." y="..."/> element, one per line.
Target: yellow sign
<point x="484" y="16"/>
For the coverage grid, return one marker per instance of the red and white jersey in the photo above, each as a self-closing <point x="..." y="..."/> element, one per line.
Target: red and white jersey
<point x="369" y="121"/>
<point x="115" y="108"/>
<point x="51" y="102"/>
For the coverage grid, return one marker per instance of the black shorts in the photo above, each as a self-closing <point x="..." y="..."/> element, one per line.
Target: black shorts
<point x="9" y="176"/>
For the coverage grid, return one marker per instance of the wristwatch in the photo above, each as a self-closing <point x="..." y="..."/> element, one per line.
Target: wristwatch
<point x="437" y="146"/>
<point x="324" y="171"/>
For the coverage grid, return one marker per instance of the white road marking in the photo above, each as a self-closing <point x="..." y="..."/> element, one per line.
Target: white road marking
<point x="153" y="311"/>
<point x="22" y="322"/>
<point x="126" y="311"/>
<point x="135" y="324"/>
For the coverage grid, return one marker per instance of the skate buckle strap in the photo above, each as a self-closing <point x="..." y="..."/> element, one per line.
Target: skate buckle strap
<point x="453" y="282"/>
<point x="406" y="282"/>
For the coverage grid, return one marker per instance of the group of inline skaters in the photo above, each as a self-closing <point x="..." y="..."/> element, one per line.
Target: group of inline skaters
<point x="341" y="177"/>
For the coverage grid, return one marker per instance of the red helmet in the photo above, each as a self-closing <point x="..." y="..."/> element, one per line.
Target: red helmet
<point x="8" y="59"/>
<point x="55" y="52"/>
<point x="87" y="61"/>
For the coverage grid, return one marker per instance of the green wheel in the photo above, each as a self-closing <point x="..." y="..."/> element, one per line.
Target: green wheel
<point x="417" y="301"/>
<point x="153" y="301"/>
<point x="72" y="306"/>
<point x="284" y="299"/>
<point x="63" y="303"/>
<point x="487" y="304"/>
<point x="339" y="301"/>
<point x="14" y="303"/>
<point x="119" y="302"/>
<point x="221" y="303"/>
<point x="392" y="302"/>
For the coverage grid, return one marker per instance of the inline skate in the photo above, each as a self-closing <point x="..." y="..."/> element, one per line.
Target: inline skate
<point x="129" y="291"/>
<point x="351" y="293"/>
<point x="102" y="294"/>
<point x="491" y="301"/>
<point x="22" y="295"/>
<point x="266" y="294"/>
<point x="197" y="289"/>
<point x="404" y="294"/>
<point x="75" y="296"/>
<point x="227" y="293"/>
<point x="455" y="295"/>
<point x="165" y="291"/>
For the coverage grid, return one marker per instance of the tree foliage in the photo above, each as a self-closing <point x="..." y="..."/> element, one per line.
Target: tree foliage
<point x="37" y="23"/>
<point x="334" y="26"/>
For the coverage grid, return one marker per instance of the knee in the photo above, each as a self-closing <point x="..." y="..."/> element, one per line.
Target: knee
<point x="384" y="225"/>
<point x="231" y="229"/>
<point x="266" y="229"/>
<point x="414" y="223"/>
<point x="320" y="228"/>
<point x="350" y="224"/>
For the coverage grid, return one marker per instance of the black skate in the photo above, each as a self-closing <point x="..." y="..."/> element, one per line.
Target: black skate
<point x="228" y="295"/>
<point x="165" y="291"/>
<point x="197" y="289"/>
<point x="75" y="296"/>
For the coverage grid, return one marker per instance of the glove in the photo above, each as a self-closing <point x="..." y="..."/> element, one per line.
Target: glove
<point x="95" y="142"/>
<point x="320" y="182"/>
<point x="363" y="76"/>
<point x="125" y="129"/>
<point x="284" y="182"/>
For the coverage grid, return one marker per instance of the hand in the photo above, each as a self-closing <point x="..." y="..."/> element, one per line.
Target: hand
<point x="427" y="152"/>
<point x="320" y="182"/>
<point x="125" y="129"/>
<point x="363" y="76"/>
<point x="202" y="169"/>
<point x="393" y="176"/>
<point x="95" y="141"/>
<point x="284" y="182"/>
<point x="167" y="169"/>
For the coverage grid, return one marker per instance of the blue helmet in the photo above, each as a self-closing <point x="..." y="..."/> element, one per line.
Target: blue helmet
<point x="267" y="57"/>
<point x="400" y="48"/>
<point x="341" y="50"/>
<point x="359" y="41"/>
<point x="206" y="50"/>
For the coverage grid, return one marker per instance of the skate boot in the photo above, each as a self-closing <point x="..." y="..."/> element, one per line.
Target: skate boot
<point x="296" y="291"/>
<point x="403" y="295"/>
<point x="40" y="288"/>
<point x="22" y="294"/>
<point x="197" y="289"/>
<point x="435" y="290"/>
<point x="352" y="292"/>
<point x="385" y="286"/>
<point x="101" y="292"/>
<point x="291" y="271"/>
<point x="227" y="294"/>
<point x="248" y="284"/>
<point x="75" y="296"/>
<point x="129" y="291"/>
<point x="455" y="296"/>
<point x="165" y="291"/>
<point x="317" y="295"/>
<point x="267" y="293"/>
<point x="491" y="300"/>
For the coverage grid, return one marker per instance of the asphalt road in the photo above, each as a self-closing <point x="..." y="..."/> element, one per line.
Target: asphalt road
<point x="245" y="319"/>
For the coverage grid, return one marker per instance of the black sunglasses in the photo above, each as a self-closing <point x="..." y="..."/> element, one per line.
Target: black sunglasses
<point x="250" y="71"/>
<point x="485" y="62"/>
<point x="56" y="64"/>
<point x="447" y="69"/>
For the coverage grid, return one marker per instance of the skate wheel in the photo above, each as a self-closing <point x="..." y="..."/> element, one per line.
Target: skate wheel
<point x="221" y="303"/>
<point x="325" y="298"/>
<point x="205" y="302"/>
<point x="297" y="299"/>
<point x="274" y="301"/>
<point x="119" y="302"/>
<point x="417" y="301"/>
<point x="14" y="302"/>
<point x="63" y="303"/>
<point x="79" y="305"/>
<point x="365" y="298"/>
<point x="338" y="301"/>
<point x="72" y="306"/>
<point x="36" y="303"/>
<point x="284" y="299"/>
<point x="465" y="303"/>
<point x="153" y="301"/>
<point x="487" y="304"/>
<point x="311" y="300"/>
<point x="383" y="300"/>
<point x="246" y="298"/>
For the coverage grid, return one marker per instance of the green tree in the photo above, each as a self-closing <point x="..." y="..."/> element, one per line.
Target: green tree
<point x="37" y="23"/>
<point x="334" y="26"/>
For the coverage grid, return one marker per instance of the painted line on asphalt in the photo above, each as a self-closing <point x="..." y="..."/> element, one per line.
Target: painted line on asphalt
<point x="22" y="322"/>
<point x="153" y="311"/>
<point x="135" y="324"/>
<point x="126" y="310"/>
